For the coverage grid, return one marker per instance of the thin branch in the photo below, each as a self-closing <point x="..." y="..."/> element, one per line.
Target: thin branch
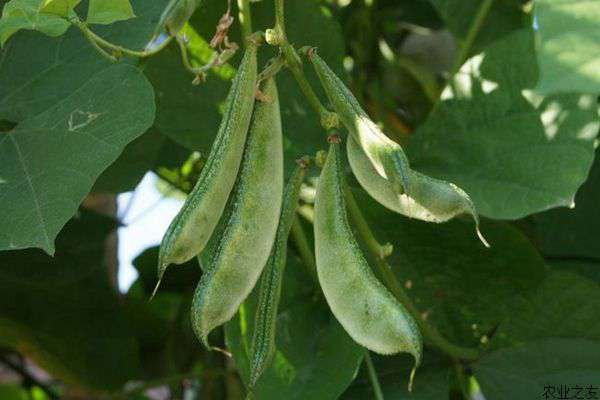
<point x="373" y="376"/>
<point x="474" y="29"/>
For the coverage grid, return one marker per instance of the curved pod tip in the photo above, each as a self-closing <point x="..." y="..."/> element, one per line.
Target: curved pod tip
<point x="482" y="238"/>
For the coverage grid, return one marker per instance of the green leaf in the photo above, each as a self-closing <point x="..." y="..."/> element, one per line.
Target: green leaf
<point x="36" y="71"/>
<point x="574" y="232"/>
<point x="41" y="78"/>
<point x="431" y="379"/>
<point x="523" y="372"/>
<point x="315" y="358"/>
<point x="514" y="152"/>
<point x="108" y="11"/>
<point x="62" y="8"/>
<point x="565" y="305"/>
<point x="25" y="14"/>
<point x="63" y="312"/>
<point x="50" y="161"/>
<point x="504" y="17"/>
<point x="569" y="50"/>
<point x="464" y="288"/>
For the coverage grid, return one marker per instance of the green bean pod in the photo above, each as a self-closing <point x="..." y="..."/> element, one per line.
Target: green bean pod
<point x="176" y="14"/>
<point x="430" y="199"/>
<point x="386" y="156"/>
<point x="250" y="231"/>
<point x="263" y="339"/>
<point x="370" y="314"/>
<point x="192" y="227"/>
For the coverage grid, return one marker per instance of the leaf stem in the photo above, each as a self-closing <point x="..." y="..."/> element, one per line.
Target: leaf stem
<point x="373" y="376"/>
<point x="280" y="16"/>
<point x="429" y="331"/>
<point x="97" y="41"/>
<point x="302" y="245"/>
<point x="245" y="18"/>
<point x="104" y="53"/>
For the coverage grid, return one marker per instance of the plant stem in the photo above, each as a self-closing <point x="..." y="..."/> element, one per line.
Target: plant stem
<point x="429" y="331"/>
<point x="373" y="376"/>
<point x="198" y="71"/>
<point x="474" y="29"/>
<point x="294" y="63"/>
<point x="302" y="245"/>
<point x="362" y="225"/>
<point x="245" y="18"/>
<point x="280" y="17"/>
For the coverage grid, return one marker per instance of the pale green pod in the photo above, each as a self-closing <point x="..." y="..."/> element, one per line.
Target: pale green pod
<point x="192" y="227"/>
<point x="430" y="199"/>
<point x="176" y="14"/>
<point x="370" y="314"/>
<point x="386" y="156"/>
<point x="246" y="243"/>
<point x="263" y="339"/>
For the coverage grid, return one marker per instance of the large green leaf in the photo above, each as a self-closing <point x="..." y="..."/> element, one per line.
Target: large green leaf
<point x="75" y="112"/>
<point x="512" y="151"/>
<point x="565" y="305"/>
<point x="569" y="50"/>
<point x="315" y="358"/>
<point x="464" y="288"/>
<point x="504" y="17"/>
<point x="555" y="334"/>
<point x="63" y="312"/>
<point x="25" y="14"/>
<point x="523" y="373"/>
<point x="190" y="115"/>
<point x="36" y="72"/>
<point x="574" y="232"/>
<point x="432" y="379"/>
<point x="50" y="161"/>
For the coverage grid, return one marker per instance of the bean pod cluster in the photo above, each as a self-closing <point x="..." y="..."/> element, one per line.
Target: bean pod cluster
<point x="237" y="218"/>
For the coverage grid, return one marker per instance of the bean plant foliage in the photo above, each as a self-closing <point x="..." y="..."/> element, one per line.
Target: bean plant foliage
<point x="463" y="240"/>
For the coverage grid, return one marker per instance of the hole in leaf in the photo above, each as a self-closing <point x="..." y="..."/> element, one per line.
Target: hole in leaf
<point x="6" y="126"/>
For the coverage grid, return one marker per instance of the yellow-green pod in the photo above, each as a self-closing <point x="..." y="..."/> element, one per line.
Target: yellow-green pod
<point x="386" y="156"/>
<point x="263" y="339"/>
<point x="250" y="231"/>
<point x="430" y="199"/>
<point x="192" y="227"/>
<point x="176" y="14"/>
<point x="370" y="314"/>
